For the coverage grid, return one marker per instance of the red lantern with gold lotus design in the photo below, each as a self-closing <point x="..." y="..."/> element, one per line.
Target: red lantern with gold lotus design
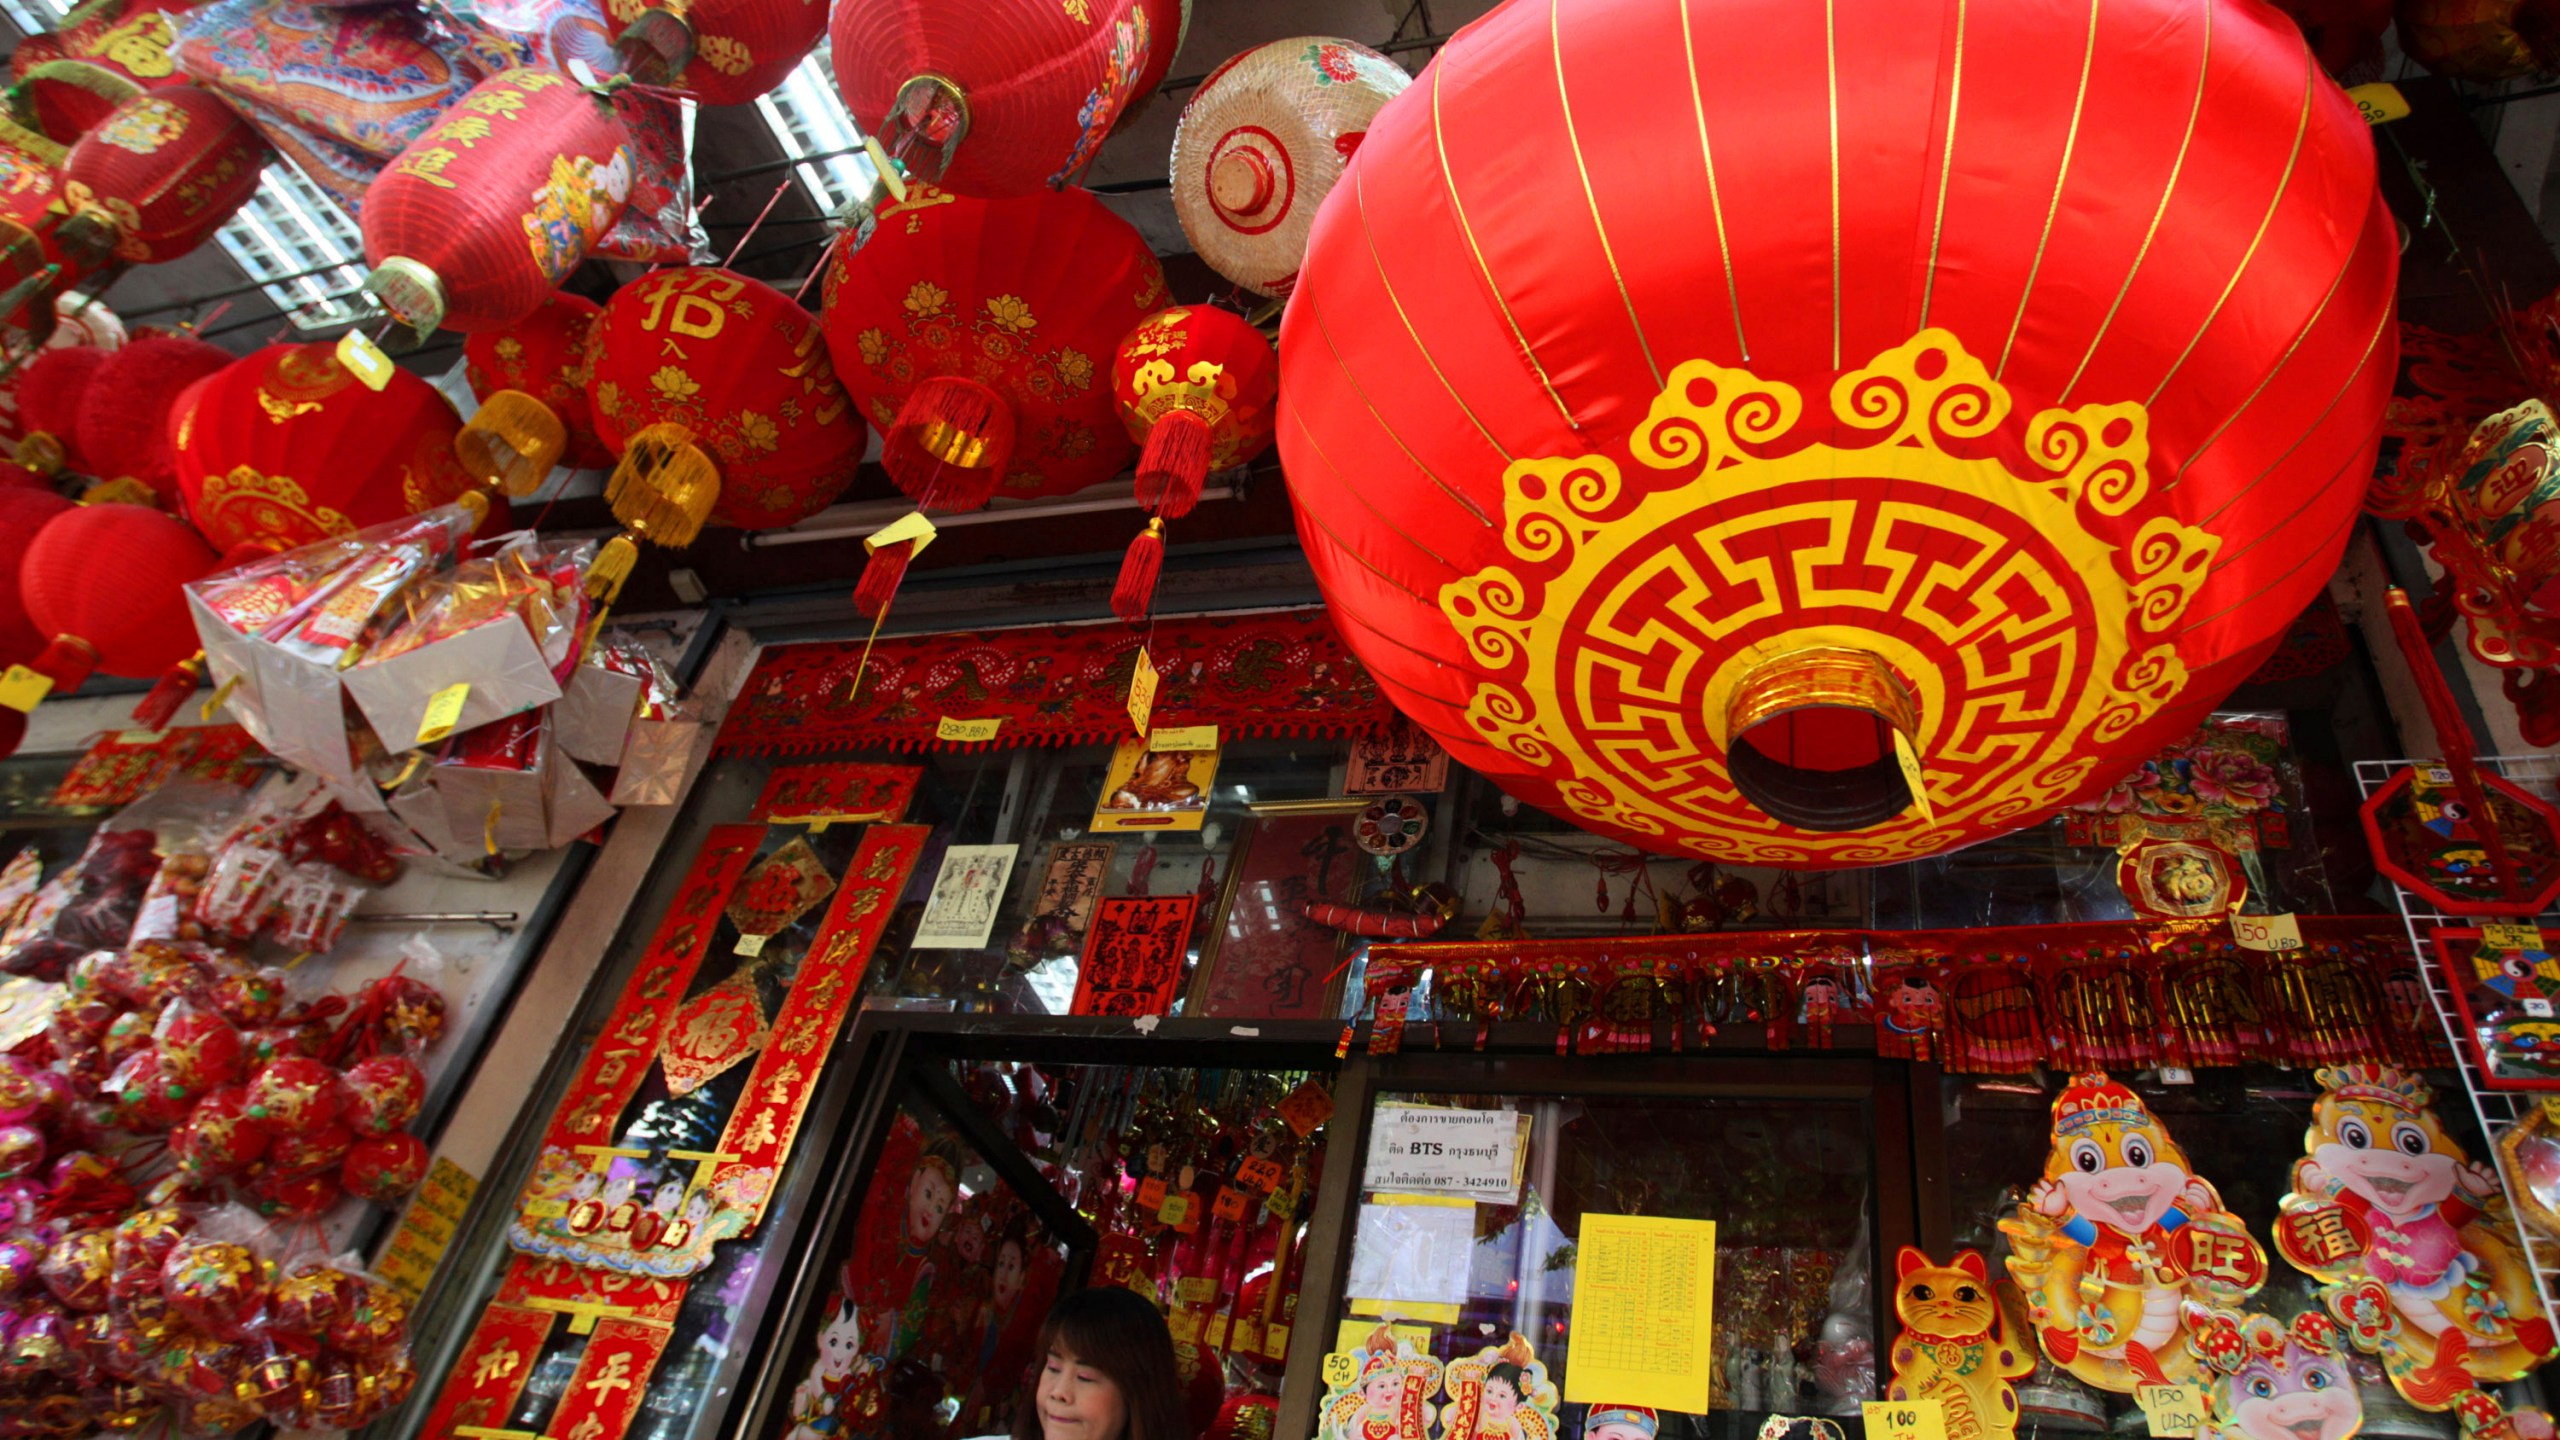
<point x="722" y="52"/>
<point x="487" y="212"/>
<point x="1000" y="97"/>
<point x="286" y="447"/>
<point x="740" y="368"/>
<point x="158" y="176"/>
<point x="543" y="357"/>
<point x="1698" y="463"/>
<point x="1197" y="389"/>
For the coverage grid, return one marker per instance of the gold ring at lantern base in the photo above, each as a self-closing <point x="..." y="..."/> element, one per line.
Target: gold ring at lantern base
<point x="2029" y="615"/>
<point x="1817" y="796"/>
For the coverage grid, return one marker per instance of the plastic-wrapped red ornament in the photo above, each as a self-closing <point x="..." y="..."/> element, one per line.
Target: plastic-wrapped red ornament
<point x="142" y="1242"/>
<point x="128" y="1035"/>
<point x="142" y="1312"/>
<point x="158" y="176"/>
<point x="250" y="998"/>
<point x="296" y="1197"/>
<point x="21" y="1151"/>
<point x="77" y="1268"/>
<point x="296" y="1152"/>
<point x="374" y="1321"/>
<point x="215" y="1285"/>
<point x="385" y="1168"/>
<point x="218" y="1137"/>
<point x="40" y="1342"/>
<point x="199" y="1049"/>
<point x="410" y="1013"/>
<point x="274" y="1377"/>
<point x="295" y="1092"/>
<point x="384" y="1094"/>
<point x="143" y="1098"/>
<point x="310" y="1300"/>
<point x="20" y="1259"/>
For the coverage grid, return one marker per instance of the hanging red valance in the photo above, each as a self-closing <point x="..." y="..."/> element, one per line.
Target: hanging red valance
<point x="1282" y="672"/>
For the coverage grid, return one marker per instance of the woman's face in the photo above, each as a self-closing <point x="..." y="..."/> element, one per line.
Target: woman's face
<point x="1079" y="1402"/>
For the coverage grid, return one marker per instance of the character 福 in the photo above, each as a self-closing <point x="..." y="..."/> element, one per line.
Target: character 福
<point x="1955" y="1348"/>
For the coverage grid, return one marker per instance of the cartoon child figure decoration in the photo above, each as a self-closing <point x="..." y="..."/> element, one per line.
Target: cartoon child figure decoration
<point x="1384" y="1394"/>
<point x="1620" y="1422"/>
<point x="842" y="1390"/>
<point x="2266" y="1380"/>
<point x="2119" y="1234"/>
<point x="2413" y="1238"/>
<point x="1954" y="1347"/>
<point x="1500" y="1394"/>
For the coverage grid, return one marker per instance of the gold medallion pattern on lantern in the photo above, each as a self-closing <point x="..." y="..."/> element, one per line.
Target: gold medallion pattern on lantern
<point x="1747" y="529"/>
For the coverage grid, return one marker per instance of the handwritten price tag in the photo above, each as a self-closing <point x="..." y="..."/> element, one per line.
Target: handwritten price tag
<point x="2266" y="932"/>
<point x="2511" y="937"/>
<point x="444" y="711"/>
<point x="1230" y="1205"/>
<point x="2173" y="1410"/>
<point x="1143" y="680"/>
<point x="967" y="732"/>
<point x="1906" y="1420"/>
<point x="2379" y="104"/>
<point x="1340" y="1369"/>
<point x="1261" y="1174"/>
<point x="1183" y="737"/>
<point x="1151" y="1194"/>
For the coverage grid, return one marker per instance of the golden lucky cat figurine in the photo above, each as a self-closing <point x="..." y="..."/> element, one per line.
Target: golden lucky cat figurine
<point x="1954" y="1347"/>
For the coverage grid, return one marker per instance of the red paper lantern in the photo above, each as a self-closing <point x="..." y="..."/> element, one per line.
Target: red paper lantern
<point x="1196" y="388"/>
<point x="123" y="425"/>
<point x="105" y="584"/>
<point x="158" y="176"/>
<point x="722" y="52"/>
<point x="24" y="512"/>
<point x="544" y="356"/>
<point x="739" y="366"/>
<point x="487" y="212"/>
<point x="1001" y="97"/>
<point x="72" y="77"/>
<point x="1681" y="456"/>
<point x="285" y="447"/>
<point x="51" y="392"/>
<point x="977" y="335"/>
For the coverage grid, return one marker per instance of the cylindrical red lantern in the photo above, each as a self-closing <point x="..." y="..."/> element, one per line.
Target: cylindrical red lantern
<point x="24" y="511"/>
<point x="1196" y="388"/>
<point x="487" y="212"/>
<point x="740" y="367"/>
<point x="722" y="52"/>
<point x="158" y="176"/>
<point x="285" y="447"/>
<point x="1699" y="461"/>
<point x="72" y="77"/>
<point x="104" y="584"/>
<point x="123" y="424"/>
<point x="978" y="320"/>
<point x="1000" y="97"/>
<point x="544" y="356"/>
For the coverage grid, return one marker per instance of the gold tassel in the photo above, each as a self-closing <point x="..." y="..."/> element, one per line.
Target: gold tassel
<point x="511" y="443"/>
<point x="664" y="488"/>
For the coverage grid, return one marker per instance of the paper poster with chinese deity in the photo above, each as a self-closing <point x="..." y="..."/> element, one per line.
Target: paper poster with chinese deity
<point x="1270" y="962"/>
<point x="1381" y="1391"/>
<point x="2116" y="1240"/>
<point x="1063" y="910"/>
<point x="1155" y="789"/>
<point x="1133" y="957"/>
<point x="2413" y="1237"/>
<point x="2266" y="1380"/>
<point x="961" y="913"/>
<point x="2506" y="987"/>
<point x="1499" y="1393"/>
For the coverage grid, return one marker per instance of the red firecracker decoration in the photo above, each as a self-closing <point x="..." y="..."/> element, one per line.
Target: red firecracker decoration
<point x="722" y="52"/>
<point x="1197" y="389"/>
<point x="487" y="212"/>
<point x="123" y="427"/>
<point x="285" y="447"/>
<point x="543" y="357"/>
<point x="158" y="176"/>
<point x="1699" y="465"/>
<point x="1002" y="97"/>
<point x="105" y="584"/>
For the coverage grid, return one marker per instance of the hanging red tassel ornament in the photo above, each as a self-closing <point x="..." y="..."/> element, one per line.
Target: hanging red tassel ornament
<point x="123" y="424"/>
<point x="1135" y="590"/>
<point x="1198" y="388"/>
<point x="721" y="52"/>
<point x="969" y="307"/>
<point x="881" y="575"/>
<point x="544" y="356"/>
<point x="51" y="392"/>
<point x="159" y="705"/>
<point x="157" y="177"/>
<point x="105" y="582"/>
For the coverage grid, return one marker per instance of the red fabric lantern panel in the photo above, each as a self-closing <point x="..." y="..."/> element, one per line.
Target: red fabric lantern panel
<point x="24" y="510"/>
<point x="999" y="97"/>
<point x="74" y="76"/>
<point x="285" y="447"/>
<point x="1680" y="456"/>
<point x="156" y="178"/>
<point x="722" y="52"/>
<point x="741" y="366"/>
<point x="123" y="425"/>
<point x="1027" y="298"/>
<point x="109" y="578"/>
<point x="544" y="355"/>
<point x="486" y="213"/>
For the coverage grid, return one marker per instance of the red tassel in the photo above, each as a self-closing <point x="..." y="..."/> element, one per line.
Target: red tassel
<point x="881" y="575"/>
<point x="1135" y="592"/>
<point x="177" y="683"/>
<point x="70" y="660"/>
<point x="952" y="439"/>
<point x="1175" y="463"/>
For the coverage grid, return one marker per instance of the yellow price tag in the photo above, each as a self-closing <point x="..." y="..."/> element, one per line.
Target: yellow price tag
<point x="1909" y="760"/>
<point x="2379" y="104"/>
<point x="1143" y="680"/>
<point x="1906" y="1420"/>
<point x="365" y="359"/>
<point x="444" y="711"/>
<point x="2173" y="1410"/>
<point x="1196" y="1291"/>
<point x="911" y="526"/>
<point x="1183" y="737"/>
<point x="1340" y="1370"/>
<point x="24" y="689"/>
<point x="1176" y="1209"/>
<point x="2511" y="937"/>
<point x="967" y="732"/>
<point x="2274" y="933"/>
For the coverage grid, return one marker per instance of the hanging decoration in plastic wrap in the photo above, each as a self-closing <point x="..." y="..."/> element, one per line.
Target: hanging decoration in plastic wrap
<point x="1805" y="479"/>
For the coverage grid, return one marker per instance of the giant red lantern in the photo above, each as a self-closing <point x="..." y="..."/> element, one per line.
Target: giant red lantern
<point x="740" y="369"/>
<point x="286" y="447"/>
<point x="978" y="334"/>
<point x="1689" y="457"/>
<point x="543" y="358"/>
<point x="487" y="212"/>
<point x="158" y="176"/>
<point x="723" y="52"/>
<point x="999" y="97"/>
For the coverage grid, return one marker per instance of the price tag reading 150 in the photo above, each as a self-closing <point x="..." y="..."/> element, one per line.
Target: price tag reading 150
<point x="2173" y="1410"/>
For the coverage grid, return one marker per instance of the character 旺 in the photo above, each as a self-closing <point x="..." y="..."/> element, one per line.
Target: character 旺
<point x="2118" y="1233"/>
<point x="1388" y="1397"/>
<point x="2270" y="1381"/>
<point x="842" y="1390"/>
<point x="1954" y="1347"/>
<point x="2414" y="1239"/>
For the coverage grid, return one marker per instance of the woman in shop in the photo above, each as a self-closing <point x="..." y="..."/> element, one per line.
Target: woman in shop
<point x="1107" y="1373"/>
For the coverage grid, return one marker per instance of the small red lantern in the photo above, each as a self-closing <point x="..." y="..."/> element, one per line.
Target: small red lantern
<point x="158" y="176"/>
<point x="722" y="52"/>
<point x="543" y="357"/>
<point x="1002" y="97"/>
<point x="739" y="367"/>
<point x="285" y="447"/>
<point x="24" y="511"/>
<point x="1197" y="389"/>
<point x="123" y="426"/>
<point x="489" y="210"/>
<point x="104" y="582"/>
